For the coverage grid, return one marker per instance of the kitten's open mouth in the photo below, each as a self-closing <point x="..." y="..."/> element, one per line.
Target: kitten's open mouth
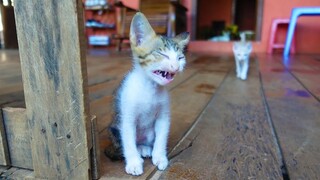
<point x="164" y="74"/>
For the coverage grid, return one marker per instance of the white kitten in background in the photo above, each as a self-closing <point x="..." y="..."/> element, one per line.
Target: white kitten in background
<point x="242" y="52"/>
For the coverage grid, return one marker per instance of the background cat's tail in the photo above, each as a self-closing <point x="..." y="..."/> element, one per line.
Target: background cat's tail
<point x="243" y="37"/>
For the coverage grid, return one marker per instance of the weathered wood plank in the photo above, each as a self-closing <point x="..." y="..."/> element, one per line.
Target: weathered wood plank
<point x="95" y="150"/>
<point x="12" y="98"/>
<point x="306" y="69"/>
<point x="232" y="138"/>
<point x="189" y="96"/>
<point x="7" y="89"/>
<point x="4" y="153"/>
<point x="3" y="169"/>
<point x="194" y="94"/>
<point x="8" y="172"/>
<point x="295" y="114"/>
<point x="18" y="137"/>
<point x="52" y="53"/>
<point x="311" y="60"/>
<point x="18" y="174"/>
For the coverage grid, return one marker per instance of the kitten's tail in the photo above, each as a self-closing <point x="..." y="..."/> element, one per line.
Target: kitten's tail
<point x="243" y="37"/>
<point x="114" y="151"/>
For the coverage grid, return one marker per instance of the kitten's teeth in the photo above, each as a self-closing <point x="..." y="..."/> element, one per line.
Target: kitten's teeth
<point x="163" y="74"/>
<point x="169" y="75"/>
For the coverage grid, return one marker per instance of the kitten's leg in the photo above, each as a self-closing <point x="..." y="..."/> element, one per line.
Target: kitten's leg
<point x="237" y="68"/>
<point x="134" y="162"/>
<point x="145" y="149"/>
<point x="244" y="71"/>
<point x="159" y="153"/>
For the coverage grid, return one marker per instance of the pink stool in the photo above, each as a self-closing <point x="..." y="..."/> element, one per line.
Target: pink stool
<point x="274" y="28"/>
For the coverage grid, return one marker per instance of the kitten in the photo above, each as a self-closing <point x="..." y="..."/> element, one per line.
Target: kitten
<point x="141" y="122"/>
<point x="242" y="52"/>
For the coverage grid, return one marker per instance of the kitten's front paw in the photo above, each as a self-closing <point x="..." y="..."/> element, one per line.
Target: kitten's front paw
<point x="243" y="77"/>
<point x="134" y="166"/>
<point x="160" y="161"/>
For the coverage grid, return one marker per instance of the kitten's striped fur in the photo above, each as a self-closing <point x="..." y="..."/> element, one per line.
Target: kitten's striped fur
<point x="141" y="120"/>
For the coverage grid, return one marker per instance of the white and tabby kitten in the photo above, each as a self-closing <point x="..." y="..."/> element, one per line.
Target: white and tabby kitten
<point x="141" y="122"/>
<point x="242" y="52"/>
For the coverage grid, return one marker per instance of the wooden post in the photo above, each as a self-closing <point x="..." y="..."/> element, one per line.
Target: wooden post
<point x="4" y="155"/>
<point x="52" y="53"/>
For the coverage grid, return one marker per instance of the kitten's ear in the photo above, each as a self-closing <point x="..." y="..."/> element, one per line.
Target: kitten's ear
<point x="140" y="30"/>
<point x="182" y="39"/>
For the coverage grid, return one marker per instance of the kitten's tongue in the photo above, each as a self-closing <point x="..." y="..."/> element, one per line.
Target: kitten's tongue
<point x="169" y="76"/>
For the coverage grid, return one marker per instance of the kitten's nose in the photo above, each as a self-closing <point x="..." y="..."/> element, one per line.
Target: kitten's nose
<point x="174" y="67"/>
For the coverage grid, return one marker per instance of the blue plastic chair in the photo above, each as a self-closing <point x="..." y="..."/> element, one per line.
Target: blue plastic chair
<point x="295" y="13"/>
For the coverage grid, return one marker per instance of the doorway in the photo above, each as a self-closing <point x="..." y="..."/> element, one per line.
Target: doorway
<point x="227" y="18"/>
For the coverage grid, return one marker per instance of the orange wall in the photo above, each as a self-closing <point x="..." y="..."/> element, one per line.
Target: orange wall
<point x="307" y="30"/>
<point x="131" y="3"/>
<point x="214" y="10"/>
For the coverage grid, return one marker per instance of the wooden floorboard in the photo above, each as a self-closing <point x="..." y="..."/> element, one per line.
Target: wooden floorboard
<point x="295" y="114"/>
<point x="232" y="138"/>
<point x="11" y="90"/>
<point x="229" y="136"/>
<point x="305" y="69"/>
<point x="16" y="173"/>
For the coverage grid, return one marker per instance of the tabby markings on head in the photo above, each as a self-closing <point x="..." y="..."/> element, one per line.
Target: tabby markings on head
<point x="153" y="56"/>
<point x="169" y="44"/>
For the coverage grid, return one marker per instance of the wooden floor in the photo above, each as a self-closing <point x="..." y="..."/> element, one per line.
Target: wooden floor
<point x="266" y="127"/>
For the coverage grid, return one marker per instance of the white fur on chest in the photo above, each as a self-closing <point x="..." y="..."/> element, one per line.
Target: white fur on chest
<point x="142" y="98"/>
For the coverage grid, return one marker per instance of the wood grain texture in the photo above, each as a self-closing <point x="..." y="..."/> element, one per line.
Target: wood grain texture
<point x="18" y="137"/>
<point x="295" y="114"/>
<point x="4" y="153"/>
<point x="232" y="138"/>
<point x="95" y="150"/>
<point x="3" y="169"/>
<point x="17" y="174"/>
<point x="52" y="54"/>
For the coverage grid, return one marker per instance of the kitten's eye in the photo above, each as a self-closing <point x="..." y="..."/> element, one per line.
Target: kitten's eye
<point x="180" y="58"/>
